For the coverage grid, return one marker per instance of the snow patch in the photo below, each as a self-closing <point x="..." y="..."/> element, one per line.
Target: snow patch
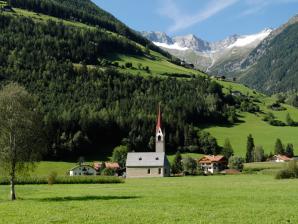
<point x="174" y="46"/>
<point x="249" y="39"/>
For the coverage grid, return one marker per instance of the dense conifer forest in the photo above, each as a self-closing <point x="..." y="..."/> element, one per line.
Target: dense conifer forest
<point x="86" y="12"/>
<point x="87" y="107"/>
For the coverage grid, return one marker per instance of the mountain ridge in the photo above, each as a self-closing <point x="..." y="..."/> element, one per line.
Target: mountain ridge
<point x="208" y="53"/>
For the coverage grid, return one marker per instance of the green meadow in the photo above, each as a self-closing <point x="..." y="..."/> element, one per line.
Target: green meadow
<point x="214" y="199"/>
<point x="157" y="64"/>
<point x="264" y="134"/>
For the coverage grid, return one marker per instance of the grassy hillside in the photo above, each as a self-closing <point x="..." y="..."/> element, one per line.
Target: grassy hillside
<point x="256" y="198"/>
<point x="263" y="133"/>
<point x="157" y="64"/>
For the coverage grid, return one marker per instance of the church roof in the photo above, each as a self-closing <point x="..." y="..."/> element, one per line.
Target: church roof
<point x="158" y="123"/>
<point x="146" y="159"/>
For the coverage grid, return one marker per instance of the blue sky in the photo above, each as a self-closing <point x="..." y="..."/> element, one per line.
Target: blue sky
<point x="208" y="19"/>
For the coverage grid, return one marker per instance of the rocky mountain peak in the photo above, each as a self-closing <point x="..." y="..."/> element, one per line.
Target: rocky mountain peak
<point x="192" y="42"/>
<point x="157" y="36"/>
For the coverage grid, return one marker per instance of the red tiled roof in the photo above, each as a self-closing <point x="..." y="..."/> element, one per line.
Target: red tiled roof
<point x="110" y="165"/>
<point x="282" y="157"/>
<point x="212" y="159"/>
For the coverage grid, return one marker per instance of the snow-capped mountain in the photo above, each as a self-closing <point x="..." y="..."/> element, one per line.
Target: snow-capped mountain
<point x="243" y="41"/>
<point x="158" y="37"/>
<point x="220" y="57"/>
<point x="192" y="42"/>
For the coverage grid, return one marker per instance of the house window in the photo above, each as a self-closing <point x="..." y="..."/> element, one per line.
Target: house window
<point x="159" y="170"/>
<point x="159" y="138"/>
<point x="148" y="171"/>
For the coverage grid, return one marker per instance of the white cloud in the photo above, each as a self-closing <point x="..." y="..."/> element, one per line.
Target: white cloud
<point x="255" y="6"/>
<point x="183" y="20"/>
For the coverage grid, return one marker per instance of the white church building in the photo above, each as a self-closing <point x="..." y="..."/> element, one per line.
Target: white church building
<point x="150" y="164"/>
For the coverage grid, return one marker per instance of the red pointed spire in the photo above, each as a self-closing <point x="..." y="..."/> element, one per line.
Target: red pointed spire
<point x="158" y="124"/>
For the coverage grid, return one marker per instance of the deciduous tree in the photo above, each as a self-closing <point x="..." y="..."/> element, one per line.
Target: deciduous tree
<point x="21" y="135"/>
<point x="119" y="155"/>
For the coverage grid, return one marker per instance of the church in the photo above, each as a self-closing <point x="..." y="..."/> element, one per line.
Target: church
<point x="150" y="164"/>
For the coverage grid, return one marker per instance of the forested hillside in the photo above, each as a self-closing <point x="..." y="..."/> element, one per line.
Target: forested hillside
<point x="89" y="105"/>
<point x="86" y="12"/>
<point x="272" y="67"/>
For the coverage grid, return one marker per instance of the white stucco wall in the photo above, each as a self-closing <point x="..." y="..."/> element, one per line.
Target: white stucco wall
<point x="135" y="172"/>
<point x="82" y="171"/>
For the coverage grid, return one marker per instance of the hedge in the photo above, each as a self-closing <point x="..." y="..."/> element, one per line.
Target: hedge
<point x="64" y="180"/>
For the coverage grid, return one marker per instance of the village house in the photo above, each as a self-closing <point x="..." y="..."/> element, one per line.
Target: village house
<point x="280" y="159"/>
<point x="82" y="170"/>
<point x="213" y="164"/>
<point x="150" y="164"/>
<point x="109" y="165"/>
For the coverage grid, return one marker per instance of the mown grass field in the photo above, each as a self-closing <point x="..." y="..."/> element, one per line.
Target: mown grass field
<point x="214" y="199"/>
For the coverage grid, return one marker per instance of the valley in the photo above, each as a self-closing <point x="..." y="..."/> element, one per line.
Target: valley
<point x="101" y="123"/>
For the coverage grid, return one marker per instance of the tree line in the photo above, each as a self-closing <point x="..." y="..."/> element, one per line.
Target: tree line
<point x="86" y="12"/>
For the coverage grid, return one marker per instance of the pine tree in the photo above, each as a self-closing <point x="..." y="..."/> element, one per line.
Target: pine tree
<point x="177" y="166"/>
<point x="227" y="150"/>
<point x="279" y="148"/>
<point x="249" y="149"/>
<point x="289" y="150"/>
<point x="258" y="154"/>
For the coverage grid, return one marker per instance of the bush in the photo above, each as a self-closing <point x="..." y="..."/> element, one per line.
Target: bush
<point x="108" y="172"/>
<point x="65" y="180"/>
<point x="52" y="178"/>
<point x="276" y="107"/>
<point x="277" y="123"/>
<point x="291" y="171"/>
<point x="128" y="64"/>
<point x="284" y="174"/>
<point x="236" y="163"/>
<point x="189" y="166"/>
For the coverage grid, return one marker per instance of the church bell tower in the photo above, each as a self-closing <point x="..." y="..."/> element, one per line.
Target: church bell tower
<point x="159" y="137"/>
